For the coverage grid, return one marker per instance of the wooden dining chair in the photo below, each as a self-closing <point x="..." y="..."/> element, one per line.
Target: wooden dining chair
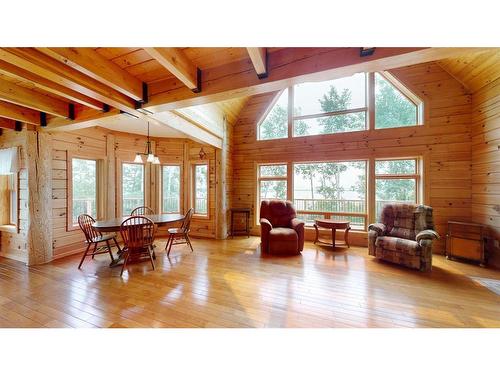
<point x="177" y="236"/>
<point x="142" y="210"/>
<point x="138" y="233"/>
<point x="94" y="237"/>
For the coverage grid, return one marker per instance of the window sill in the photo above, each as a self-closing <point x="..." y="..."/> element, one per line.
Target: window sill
<point x="8" y="228"/>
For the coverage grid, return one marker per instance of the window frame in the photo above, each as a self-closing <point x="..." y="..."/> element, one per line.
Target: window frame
<point x="192" y="185"/>
<point x="181" y="184"/>
<point x="369" y="108"/>
<point x="120" y="185"/>
<point x="406" y="92"/>
<point x="417" y="177"/>
<point x="100" y="193"/>
<point x="270" y="178"/>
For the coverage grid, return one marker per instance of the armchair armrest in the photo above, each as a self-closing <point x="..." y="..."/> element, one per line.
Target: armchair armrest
<point x="266" y="225"/>
<point x="265" y="228"/>
<point x="297" y="224"/>
<point x="378" y="227"/>
<point x="427" y="234"/>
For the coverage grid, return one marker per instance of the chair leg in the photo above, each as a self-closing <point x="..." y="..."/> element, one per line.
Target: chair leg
<point x="125" y="259"/>
<point x="93" y="252"/>
<point x="171" y="242"/>
<point x="109" y="251"/>
<point x="151" y="257"/>
<point x="188" y="241"/>
<point x="84" y="255"/>
<point x="117" y="246"/>
<point x="168" y="241"/>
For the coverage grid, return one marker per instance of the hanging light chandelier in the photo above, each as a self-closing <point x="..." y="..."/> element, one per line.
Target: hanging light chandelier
<point x="151" y="158"/>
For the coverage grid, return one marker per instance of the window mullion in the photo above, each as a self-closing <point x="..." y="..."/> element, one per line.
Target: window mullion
<point x="290" y="112"/>
<point x="370" y="87"/>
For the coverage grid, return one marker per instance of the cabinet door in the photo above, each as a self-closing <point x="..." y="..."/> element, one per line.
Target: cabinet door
<point x="465" y="248"/>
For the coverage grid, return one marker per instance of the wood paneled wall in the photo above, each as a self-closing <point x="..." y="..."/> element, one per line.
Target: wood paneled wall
<point x="13" y="244"/>
<point x="444" y="141"/>
<point x="486" y="164"/>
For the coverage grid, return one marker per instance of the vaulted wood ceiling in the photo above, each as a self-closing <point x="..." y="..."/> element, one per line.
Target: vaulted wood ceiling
<point x="474" y="70"/>
<point x="70" y="88"/>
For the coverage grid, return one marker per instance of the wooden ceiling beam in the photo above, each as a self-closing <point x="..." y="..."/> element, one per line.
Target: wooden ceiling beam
<point x="18" y="113"/>
<point x="176" y="62"/>
<point x="258" y="55"/>
<point x="286" y="67"/>
<point x="22" y="96"/>
<point x="45" y="66"/>
<point x="91" y="63"/>
<point x="7" y="123"/>
<point x="47" y="85"/>
<point x="192" y="130"/>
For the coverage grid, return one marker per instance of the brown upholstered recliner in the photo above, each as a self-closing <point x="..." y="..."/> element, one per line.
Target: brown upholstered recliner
<point x="280" y="230"/>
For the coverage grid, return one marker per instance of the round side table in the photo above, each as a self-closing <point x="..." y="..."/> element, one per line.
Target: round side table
<point x="333" y="225"/>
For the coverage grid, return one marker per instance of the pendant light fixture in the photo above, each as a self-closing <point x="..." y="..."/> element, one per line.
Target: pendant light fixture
<point x="151" y="158"/>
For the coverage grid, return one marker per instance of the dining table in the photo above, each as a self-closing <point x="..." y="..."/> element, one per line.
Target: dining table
<point x="113" y="225"/>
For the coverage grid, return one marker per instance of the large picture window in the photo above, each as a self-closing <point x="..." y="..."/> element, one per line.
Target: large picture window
<point x="328" y="107"/>
<point x="341" y="105"/>
<point x="84" y="188"/>
<point x="171" y="189"/>
<point x="332" y="190"/>
<point x="396" y="181"/>
<point x="200" y="189"/>
<point x="132" y="187"/>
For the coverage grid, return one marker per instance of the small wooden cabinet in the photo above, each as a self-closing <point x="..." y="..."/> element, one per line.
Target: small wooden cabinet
<point x="465" y="241"/>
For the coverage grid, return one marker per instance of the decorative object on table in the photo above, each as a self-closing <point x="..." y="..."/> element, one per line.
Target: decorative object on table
<point x="404" y="235"/>
<point x="94" y="237"/>
<point x="142" y="210"/>
<point x="334" y="225"/>
<point x="150" y="157"/>
<point x="465" y="241"/>
<point x="281" y="232"/>
<point x="246" y="213"/>
<point x="138" y="233"/>
<point x="177" y="236"/>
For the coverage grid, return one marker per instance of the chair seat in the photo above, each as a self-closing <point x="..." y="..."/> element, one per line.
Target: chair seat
<point x="175" y="230"/>
<point x="398" y="244"/>
<point x="103" y="237"/>
<point x="283" y="234"/>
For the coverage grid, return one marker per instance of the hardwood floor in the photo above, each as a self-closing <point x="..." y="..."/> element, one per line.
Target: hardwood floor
<point x="229" y="284"/>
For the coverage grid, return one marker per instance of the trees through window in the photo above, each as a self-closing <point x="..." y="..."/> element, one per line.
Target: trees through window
<point x="84" y="188"/>
<point x="132" y="187"/>
<point x="171" y="189"/>
<point x="396" y="181"/>
<point x="200" y="189"/>
<point x="333" y="190"/>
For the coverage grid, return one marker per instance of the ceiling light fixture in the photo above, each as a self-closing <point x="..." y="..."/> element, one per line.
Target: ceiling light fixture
<point x="151" y="158"/>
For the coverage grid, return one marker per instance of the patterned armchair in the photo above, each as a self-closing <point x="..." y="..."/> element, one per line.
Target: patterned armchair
<point x="404" y="235"/>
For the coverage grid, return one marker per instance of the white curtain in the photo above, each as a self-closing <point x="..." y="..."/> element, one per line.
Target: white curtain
<point x="9" y="161"/>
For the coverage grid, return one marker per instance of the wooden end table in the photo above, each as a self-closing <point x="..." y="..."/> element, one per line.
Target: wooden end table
<point x="246" y="212"/>
<point x="333" y="225"/>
